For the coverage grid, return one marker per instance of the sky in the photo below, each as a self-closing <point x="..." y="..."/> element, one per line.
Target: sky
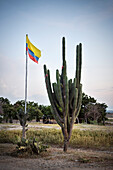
<point x="89" y="22"/>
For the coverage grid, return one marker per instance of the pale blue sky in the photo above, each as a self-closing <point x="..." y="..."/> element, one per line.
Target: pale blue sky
<point x="46" y="22"/>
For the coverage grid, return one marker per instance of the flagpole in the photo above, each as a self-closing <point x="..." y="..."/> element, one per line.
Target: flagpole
<point x="26" y="80"/>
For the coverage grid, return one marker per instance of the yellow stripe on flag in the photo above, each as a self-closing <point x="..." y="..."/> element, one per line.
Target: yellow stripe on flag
<point x="35" y="50"/>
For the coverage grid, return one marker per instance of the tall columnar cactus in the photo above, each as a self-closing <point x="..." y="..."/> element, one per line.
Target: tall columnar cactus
<point x="65" y="95"/>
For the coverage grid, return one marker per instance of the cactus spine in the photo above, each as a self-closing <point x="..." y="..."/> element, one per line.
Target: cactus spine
<point x="65" y="95"/>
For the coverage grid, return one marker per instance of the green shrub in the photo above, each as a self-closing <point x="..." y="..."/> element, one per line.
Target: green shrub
<point x="30" y="146"/>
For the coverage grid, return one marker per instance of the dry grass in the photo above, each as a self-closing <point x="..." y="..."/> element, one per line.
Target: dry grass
<point x="80" y="138"/>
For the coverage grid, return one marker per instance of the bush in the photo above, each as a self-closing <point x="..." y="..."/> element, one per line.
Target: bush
<point x="30" y="146"/>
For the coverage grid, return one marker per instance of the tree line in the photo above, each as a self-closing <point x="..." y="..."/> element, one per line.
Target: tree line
<point x="91" y="111"/>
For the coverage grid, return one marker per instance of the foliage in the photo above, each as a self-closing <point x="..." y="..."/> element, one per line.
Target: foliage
<point x="91" y="111"/>
<point x="47" y="114"/>
<point x="96" y="112"/>
<point x="8" y="110"/>
<point x="32" y="109"/>
<point x="11" y="111"/>
<point x="31" y="146"/>
<point x="85" y="101"/>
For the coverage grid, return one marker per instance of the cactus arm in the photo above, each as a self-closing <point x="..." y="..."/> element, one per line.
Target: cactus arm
<point x="56" y="99"/>
<point x="78" y="63"/>
<point x="77" y="66"/>
<point x="79" y="101"/>
<point x="69" y="84"/>
<point x="53" y="101"/>
<point x="56" y="117"/>
<point x="66" y="96"/>
<point x="72" y="93"/>
<point x="59" y="89"/>
<point x="50" y="95"/>
<point x="55" y="91"/>
<point x="63" y="50"/>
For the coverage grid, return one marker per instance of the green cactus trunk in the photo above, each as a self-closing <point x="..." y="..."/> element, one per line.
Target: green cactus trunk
<point x="22" y="117"/>
<point x="65" y="95"/>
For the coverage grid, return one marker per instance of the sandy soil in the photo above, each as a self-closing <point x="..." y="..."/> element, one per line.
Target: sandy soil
<point x="56" y="159"/>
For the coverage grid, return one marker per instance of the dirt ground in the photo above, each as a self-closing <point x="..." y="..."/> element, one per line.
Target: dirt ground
<point x="56" y="159"/>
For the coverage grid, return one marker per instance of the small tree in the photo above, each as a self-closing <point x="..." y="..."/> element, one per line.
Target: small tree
<point x="86" y="100"/>
<point x="96" y="112"/>
<point x="34" y="111"/>
<point x="7" y="110"/>
<point x="22" y="117"/>
<point x="66" y="95"/>
<point x="92" y="113"/>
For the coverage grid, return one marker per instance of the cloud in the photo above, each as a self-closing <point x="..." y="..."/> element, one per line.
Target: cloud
<point x="40" y="99"/>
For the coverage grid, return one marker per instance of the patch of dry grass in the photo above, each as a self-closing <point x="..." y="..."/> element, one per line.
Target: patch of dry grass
<point x="89" y="137"/>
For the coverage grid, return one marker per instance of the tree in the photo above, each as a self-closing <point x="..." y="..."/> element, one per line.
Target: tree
<point x="66" y="95"/>
<point x="47" y="114"/>
<point x="22" y="117"/>
<point x="102" y="109"/>
<point x="96" y="112"/>
<point x="1" y="113"/>
<point x="34" y="111"/>
<point x="7" y="110"/>
<point x="85" y="101"/>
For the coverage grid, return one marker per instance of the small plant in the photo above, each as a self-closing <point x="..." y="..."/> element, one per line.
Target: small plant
<point x="22" y="117"/>
<point x="83" y="160"/>
<point x="30" y="147"/>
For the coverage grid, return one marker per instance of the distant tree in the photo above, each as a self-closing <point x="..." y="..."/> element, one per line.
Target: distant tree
<point x="102" y="109"/>
<point x="20" y="104"/>
<point x="92" y="113"/>
<point x="32" y="109"/>
<point x="1" y="112"/>
<point x="18" y="107"/>
<point x="8" y="110"/>
<point x="47" y="114"/>
<point x="85" y="101"/>
<point x="1" y="109"/>
<point x="95" y="112"/>
<point x="4" y="100"/>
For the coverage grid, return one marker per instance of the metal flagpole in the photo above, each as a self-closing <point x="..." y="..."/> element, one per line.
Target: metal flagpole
<point x="26" y="80"/>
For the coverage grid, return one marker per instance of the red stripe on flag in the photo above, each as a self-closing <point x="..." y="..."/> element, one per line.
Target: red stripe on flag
<point x="32" y="58"/>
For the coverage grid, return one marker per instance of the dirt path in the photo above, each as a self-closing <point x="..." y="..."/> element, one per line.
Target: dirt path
<point x="56" y="159"/>
<point x="35" y="126"/>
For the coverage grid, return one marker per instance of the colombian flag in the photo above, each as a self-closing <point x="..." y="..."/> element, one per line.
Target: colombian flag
<point x="33" y="52"/>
